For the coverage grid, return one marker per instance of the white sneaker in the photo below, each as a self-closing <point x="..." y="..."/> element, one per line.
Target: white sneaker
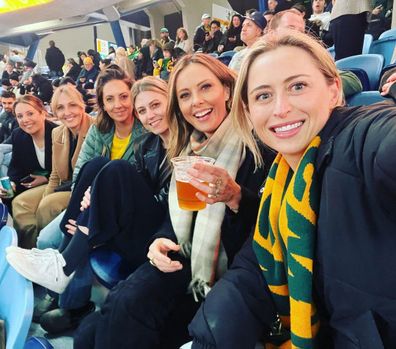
<point x="45" y="268"/>
<point x="34" y="250"/>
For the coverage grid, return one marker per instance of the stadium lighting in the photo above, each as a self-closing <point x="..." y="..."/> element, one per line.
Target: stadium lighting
<point x="14" y="5"/>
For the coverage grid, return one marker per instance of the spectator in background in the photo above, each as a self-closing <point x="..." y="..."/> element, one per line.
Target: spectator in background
<point x="272" y="4"/>
<point x="268" y="15"/>
<point x="81" y="56"/>
<point x="111" y="55"/>
<point x="182" y="41"/>
<point x="232" y="36"/>
<point x="379" y="19"/>
<point x="28" y="70"/>
<point x="95" y="57"/>
<point x="104" y="63"/>
<point x="5" y="85"/>
<point x="88" y="73"/>
<point x="16" y="56"/>
<point x="252" y="29"/>
<point x="213" y="38"/>
<point x="7" y="118"/>
<point x="319" y="22"/>
<point x="42" y="88"/>
<point x="122" y="60"/>
<point x="72" y="69"/>
<point x="164" y="37"/>
<point x="55" y="60"/>
<point x="200" y="32"/>
<point x="8" y="70"/>
<point x="2" y="64"/>
<point x="164" y="66"/>
<point x="348" y="25"/>
<point x="17" y="88"/>
<point x="155" y="55"/>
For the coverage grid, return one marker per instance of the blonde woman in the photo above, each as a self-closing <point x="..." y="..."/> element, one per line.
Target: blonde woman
<point x="321" y="271"/>
<point x="122" y="60"/>
<point x="182" y="40"/>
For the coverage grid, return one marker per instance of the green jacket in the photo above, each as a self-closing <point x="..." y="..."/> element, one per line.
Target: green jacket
<point x="99" y="144"/>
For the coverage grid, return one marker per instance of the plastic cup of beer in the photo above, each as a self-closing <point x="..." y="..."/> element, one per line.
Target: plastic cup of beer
<point x="185" y="191"/>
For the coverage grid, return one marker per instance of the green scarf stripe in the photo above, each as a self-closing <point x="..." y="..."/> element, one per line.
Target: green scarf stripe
<point x="294" y="200"/>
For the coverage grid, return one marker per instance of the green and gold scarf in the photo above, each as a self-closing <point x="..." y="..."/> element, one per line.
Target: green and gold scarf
<point x="284" y="243"/>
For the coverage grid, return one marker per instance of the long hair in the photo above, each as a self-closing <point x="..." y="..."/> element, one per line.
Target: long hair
<point x="269" y="43"/>
<point x="181" y="29"/>
<point x="179" y="128"/>
<point x="148" y="83"/>
<point x="104" y="122"/>
<point x="70" y="91"/>
<point x="33" y="101"/>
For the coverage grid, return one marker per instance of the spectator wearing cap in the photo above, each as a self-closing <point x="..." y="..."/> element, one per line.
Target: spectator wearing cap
<point x="200" y="32"/>
<point x="28" y="70"/>
<point x="55" y="60"/>
<point x="16" y="88"/>
<point x="88" y="73"/>
<point x="164" y="37"/>
<point x="213" y="38"/>
<point x="252" y="29"/>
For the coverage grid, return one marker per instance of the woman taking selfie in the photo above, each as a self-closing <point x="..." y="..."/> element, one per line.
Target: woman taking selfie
<point x="200" y="93"/>
<point x="324" y="239"/>
<point x="35" y="208"/>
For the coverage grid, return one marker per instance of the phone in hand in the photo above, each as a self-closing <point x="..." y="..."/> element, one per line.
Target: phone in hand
<point x="26" y="179"/>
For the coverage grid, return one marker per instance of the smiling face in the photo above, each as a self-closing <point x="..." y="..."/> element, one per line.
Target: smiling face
<point x="69" y="112"/>
<point x="288" y="107"/>
<point x="8" y="104"/>
<point x="201" y="98"/>
<point x="117" y="101"/>
<point x="29" y="119"/>
<point x="150" y="108"/>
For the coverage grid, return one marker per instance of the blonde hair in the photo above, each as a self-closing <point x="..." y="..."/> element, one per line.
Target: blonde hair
<point x="179" y="128"/>
<point x="148" y="83"/>
<point x="268" y="43"/>
<point x="71" y="92"/>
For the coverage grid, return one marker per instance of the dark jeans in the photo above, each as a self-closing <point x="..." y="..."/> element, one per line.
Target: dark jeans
<point x="148" y="310"/>
<point x="348" y="34"/>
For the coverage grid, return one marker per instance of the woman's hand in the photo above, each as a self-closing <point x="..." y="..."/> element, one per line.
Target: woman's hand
<point x="37" y="180"/>
<point x="86" y="201"/>
<point x="389" y="82"/>
<point x="71" y="226"/>
<point x="158" y="255"/>
<point x="4" y="193"/>
<point x="216" y="183"/>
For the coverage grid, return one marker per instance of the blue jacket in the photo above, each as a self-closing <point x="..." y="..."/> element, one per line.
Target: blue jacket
<point x="355" y="268"/>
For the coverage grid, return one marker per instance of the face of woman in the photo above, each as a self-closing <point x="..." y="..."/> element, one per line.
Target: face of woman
<point x="69" y="112"/>
<point x="150" y="108"/>
<point x="236" y="22"/>
<point x="182" y="35"/>
<point x="29" y="119"/>
<point x="289" y="106"/>
<point x="202" y="98"/>
<point x="117" y="101"/>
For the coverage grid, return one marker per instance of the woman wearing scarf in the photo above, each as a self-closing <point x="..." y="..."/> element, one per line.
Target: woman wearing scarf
<point x="322" y="274"/>
<point x="190" y="252"/>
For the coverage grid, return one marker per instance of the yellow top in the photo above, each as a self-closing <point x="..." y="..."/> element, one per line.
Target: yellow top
<point x="119" y="146"/>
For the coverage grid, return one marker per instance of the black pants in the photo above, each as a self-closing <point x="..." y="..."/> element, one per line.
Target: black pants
<point x="123" y="214"/>
<point x="148" y="310"/>
<point x="348" y="34"/>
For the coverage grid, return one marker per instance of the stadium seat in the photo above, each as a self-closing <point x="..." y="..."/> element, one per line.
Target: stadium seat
<point x="368" y="40"/>
<point x="108" y="267"/>
<point x="365" y="98"/>
<point x="16" y="306"/>
<point x="384" y="47"/>
<point x="388" y="33"/>
<point x="331" y="51"/>
<point x="8" y="237"/>
<point x="371" y="63"/>
<point x="225" y="60"/>
<point x="213" y="54"/>
<point x="228" y="54"/>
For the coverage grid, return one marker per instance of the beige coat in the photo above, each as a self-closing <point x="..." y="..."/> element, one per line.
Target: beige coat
<point x="60" y="153"/>
<point x="350" y="7"/>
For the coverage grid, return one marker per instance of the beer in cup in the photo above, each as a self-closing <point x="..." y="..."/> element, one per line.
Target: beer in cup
<point x="185" y="191"/>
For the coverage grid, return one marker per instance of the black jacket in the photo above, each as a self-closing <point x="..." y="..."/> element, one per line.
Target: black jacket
<point x="24" y="159"/>
<point x="151" y="162"/>
<point x="7" y="124"/>
<point x="210" y="46"/>
<point x="54" y="58"/>
<point x="354" y="270"/>
<point x="199" y="37"/>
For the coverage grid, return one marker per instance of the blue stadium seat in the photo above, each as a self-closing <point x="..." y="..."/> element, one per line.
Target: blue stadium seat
<point x="8" y="237"/>
<point x="225" y="60"/>
<point x="388" y="33"/>
<point x="228" y="54"/>
<point x="366" y="98"/>
<point x="213" y="54"/>
<point x="384" y="47"/>
<point x="371" y="63"/>
<point x="331" y="50"/>
<point x="368" y="40"/>
<point x="108" y="266"/>
<point x="16" y="306"/>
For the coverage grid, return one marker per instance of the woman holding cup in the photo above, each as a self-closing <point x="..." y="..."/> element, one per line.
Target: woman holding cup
<point x="192" y="249"/>
<point x="321" y="273"/>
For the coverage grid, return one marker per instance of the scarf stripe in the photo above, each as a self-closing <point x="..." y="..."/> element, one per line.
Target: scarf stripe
<point x="284" y="242"/>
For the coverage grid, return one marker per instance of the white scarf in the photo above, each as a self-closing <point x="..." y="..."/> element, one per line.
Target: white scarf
<point x="202" y="242"/>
